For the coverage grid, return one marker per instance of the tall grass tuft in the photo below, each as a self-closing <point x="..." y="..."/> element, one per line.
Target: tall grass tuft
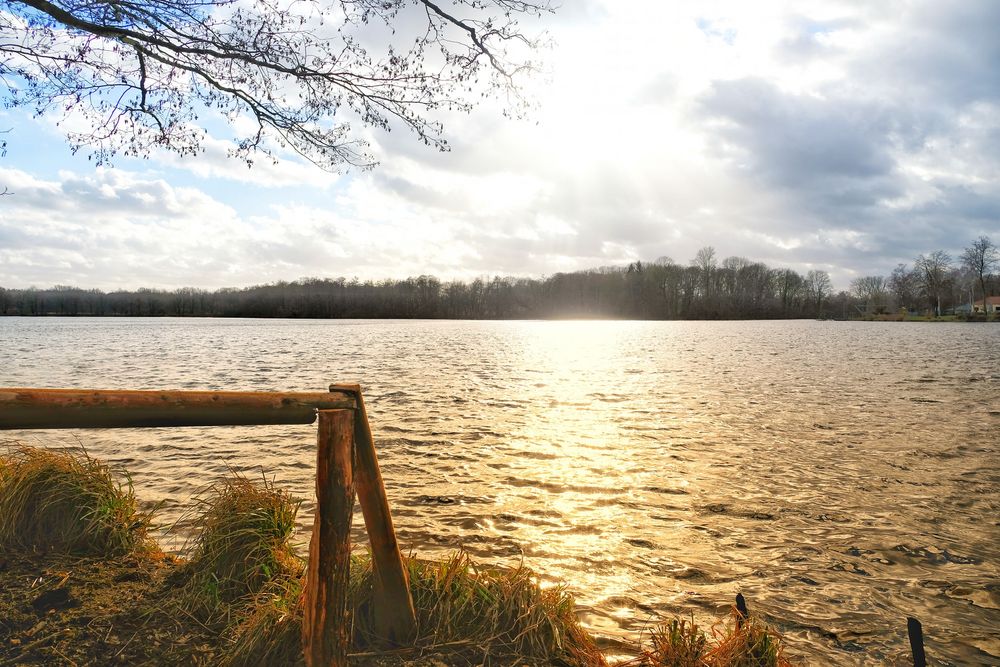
<point x="738" y="643"/>
<point x="67" y="502"/>
<point x="271" y="634"/>
<point x="678" y="643"/>
<point x="242" y="542"/>
<point x="485" y="616"/>
<point x="503" y="611"/>
<point x="748" y="644"/>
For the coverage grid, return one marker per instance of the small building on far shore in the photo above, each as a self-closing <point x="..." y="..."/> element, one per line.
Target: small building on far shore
<point x="992" y="305"/>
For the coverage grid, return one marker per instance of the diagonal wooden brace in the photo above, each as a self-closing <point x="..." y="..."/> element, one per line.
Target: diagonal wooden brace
<point x="395" y="618"/>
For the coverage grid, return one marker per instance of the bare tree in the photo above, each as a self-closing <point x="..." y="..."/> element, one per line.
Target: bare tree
<point x="704" y="260"/>
<point x="981" y="258"/>
<point x="904" y="284"/>
<point x="789" y="285"/>
<point x="819" y="288"/>
<point x="933" y="270"/>
<point x="872" y="290"/>
<point x="305" y="74"/>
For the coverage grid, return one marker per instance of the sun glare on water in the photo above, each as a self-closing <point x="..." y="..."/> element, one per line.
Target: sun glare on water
<point x="574" y="452"/>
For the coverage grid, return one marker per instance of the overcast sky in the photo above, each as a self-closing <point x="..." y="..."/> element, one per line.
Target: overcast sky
<point x="844" y="136"/>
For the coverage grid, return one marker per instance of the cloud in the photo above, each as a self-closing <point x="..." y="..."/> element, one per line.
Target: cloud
<point x="893" y="152"/>
<point x="837" y="135"/>
<point x="108" y="228"/>
<point x="945" y="54"/>
<point x="835" y="154"/>
<point x="215" y="162"/>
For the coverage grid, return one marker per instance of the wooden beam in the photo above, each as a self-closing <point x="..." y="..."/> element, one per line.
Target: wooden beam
<point x="326" y="626"/>
<point x="395" y="618"/>
<point x="26" y="408"/>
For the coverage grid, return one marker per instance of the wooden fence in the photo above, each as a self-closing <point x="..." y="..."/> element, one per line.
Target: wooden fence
<point x="346" y="466"/>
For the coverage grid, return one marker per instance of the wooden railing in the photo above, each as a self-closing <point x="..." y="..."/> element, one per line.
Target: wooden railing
<point x="345" y="461"/>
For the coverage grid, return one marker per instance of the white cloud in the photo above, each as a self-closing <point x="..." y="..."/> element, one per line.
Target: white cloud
<point x="215" y="162"/>
<point x="109" y="228"/>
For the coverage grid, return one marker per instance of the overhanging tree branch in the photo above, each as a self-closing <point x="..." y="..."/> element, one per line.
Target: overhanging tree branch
<point x="307" y="74"/>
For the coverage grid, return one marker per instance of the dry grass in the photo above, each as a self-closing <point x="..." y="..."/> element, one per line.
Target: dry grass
<point x="242" y="543"/>
<point x="678" y="643"/>
<point x="737" y="643"/>
<point x="67" y="502"/>
<point x="271" y="633"/>
<point x="501" y="611"/>
<point x="476" y="615"/>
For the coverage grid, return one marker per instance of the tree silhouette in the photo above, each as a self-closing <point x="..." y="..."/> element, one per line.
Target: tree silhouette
<point x="933" y="269"/>
<point x="981" y="258"/>
<point x="299" y="74"/>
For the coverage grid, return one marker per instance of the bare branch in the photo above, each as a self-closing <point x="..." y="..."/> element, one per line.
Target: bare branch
<point x="142" y="72"/>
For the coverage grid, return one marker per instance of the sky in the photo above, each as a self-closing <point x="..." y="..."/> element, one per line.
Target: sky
<point x="840" y="136"/>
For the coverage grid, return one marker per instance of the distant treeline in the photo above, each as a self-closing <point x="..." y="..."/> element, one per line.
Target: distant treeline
<point x="935" y="283"/>
<point x="735" y="288"/>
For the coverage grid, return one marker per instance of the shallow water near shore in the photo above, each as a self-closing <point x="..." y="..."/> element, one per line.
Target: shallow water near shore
<point x="841" y="475"/>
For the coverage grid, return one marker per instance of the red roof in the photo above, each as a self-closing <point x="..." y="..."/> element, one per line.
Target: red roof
<point x="990" y="300"/>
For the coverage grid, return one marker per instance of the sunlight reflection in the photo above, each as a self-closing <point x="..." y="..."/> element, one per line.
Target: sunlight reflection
<point x="574" y="453"/>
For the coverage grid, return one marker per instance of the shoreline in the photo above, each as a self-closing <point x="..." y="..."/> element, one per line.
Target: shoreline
<point x="963" y="319"/>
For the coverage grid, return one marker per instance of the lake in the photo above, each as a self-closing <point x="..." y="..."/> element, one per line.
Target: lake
<point x="842" y="475"/>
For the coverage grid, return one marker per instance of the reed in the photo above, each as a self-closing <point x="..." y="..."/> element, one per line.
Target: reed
<point x="749" y="643"/>
<point x="67" y="502"/>
<point x="678" y="643"/>
<point x="740" y="642"/>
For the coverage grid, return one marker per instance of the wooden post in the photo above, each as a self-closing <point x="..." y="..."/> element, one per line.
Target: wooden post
<point x="742" y="614"/>
<point x="395" y="618"/>
<point x="326" y="627"/>
<point x="916" y="633"/>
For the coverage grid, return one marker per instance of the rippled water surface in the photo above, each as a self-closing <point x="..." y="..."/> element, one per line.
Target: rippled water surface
<point x="841" y="475"/>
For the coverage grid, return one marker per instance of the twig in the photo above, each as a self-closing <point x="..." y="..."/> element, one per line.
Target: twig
<point x="65" y="657"/>
<point x="31" y="645"/>
<point x="125" y="645"/>
<point x="411" y="649"/>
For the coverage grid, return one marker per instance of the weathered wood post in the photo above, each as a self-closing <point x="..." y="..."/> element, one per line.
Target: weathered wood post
<point x="395" y="618"/>
<point x="916" y="634"/>
<point x="326" y="627"/>
<point x="743" y="614"/>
